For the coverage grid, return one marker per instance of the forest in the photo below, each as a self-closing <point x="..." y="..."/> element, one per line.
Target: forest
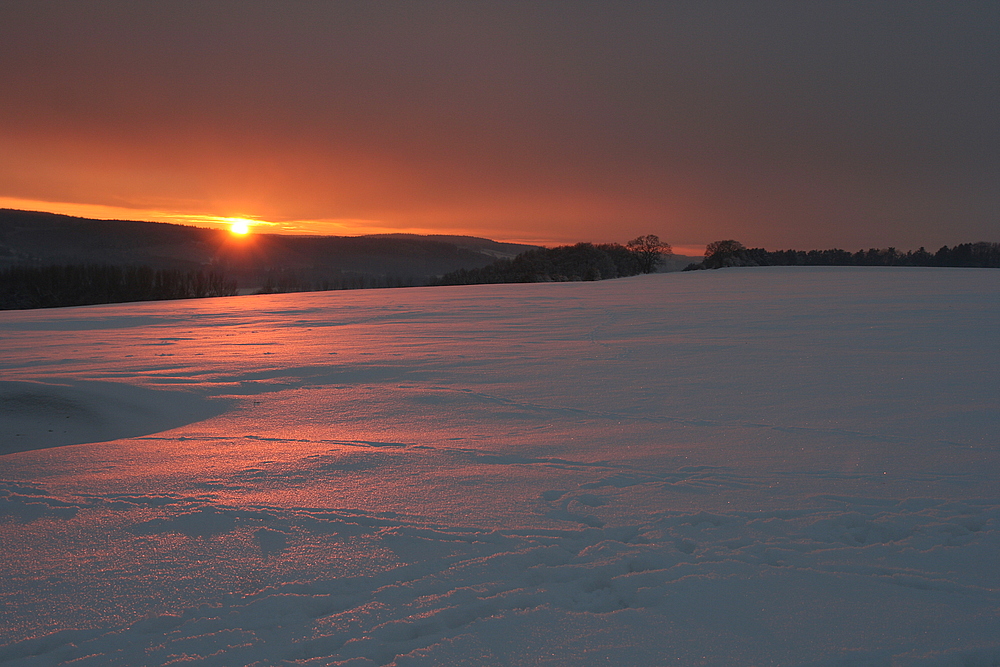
<point x="23" y="287"/>
<point x="729" y="253"/>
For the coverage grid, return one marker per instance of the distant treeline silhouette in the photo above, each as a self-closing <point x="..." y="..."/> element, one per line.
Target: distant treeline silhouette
<point x="721" y="254"/>
<point x="282" y="281"/>
<point x="23" y="287"/>
<point x="583" y="261"/>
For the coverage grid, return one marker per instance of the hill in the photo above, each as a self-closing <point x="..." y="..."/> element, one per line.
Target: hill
<point x="270" y="261"/>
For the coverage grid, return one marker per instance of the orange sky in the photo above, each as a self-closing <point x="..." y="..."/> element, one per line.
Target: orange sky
<point x="852" y="125"/>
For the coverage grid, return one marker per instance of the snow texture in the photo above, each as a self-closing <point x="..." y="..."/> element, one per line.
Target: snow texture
<point x="775" y="466"/>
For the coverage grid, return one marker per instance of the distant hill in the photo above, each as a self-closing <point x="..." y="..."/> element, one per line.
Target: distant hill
<point x="510" y="250"/>
<point x="495" y="249"/>
<point x="270" y="261"/>
<point x="677" y="263"/>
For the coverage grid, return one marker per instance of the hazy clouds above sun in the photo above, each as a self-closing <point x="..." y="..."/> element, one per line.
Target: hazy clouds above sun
<point x="785" y="124"/>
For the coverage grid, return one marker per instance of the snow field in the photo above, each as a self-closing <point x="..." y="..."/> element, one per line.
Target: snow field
<point x="777" y="466"/>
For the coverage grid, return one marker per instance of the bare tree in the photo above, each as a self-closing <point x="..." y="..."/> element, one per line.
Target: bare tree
<point x="650" y="251"/>
<point x="727" y="247"/>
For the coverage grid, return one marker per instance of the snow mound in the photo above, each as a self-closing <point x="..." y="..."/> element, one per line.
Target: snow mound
<point x="37" y="415"/>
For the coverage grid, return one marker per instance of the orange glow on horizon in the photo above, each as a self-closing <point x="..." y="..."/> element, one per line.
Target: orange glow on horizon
<point x="335" y="227"/>
<point x="329" y="227"/>
<point x="322" y="227"/>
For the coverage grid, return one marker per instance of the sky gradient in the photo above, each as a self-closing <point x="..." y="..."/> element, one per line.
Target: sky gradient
<point x="781" y="124"/>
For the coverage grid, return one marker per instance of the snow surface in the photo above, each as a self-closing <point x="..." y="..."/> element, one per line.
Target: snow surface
<point x="775" y="466"/>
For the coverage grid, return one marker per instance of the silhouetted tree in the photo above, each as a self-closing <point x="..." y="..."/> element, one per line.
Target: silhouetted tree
<point x="726" y="253"/>
<point x="583" y="261"/>
<point x="650" y="251"/>
<point x="727" y="247"/>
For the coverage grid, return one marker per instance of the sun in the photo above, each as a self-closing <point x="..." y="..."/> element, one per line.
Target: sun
<point x="239" y="226"/>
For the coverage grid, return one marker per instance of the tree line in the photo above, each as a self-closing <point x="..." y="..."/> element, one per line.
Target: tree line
<point x="279" y="281"/>
<point x="23" y="287"/>
<point x="583" y="261"/>
<point x="721" y="254"/>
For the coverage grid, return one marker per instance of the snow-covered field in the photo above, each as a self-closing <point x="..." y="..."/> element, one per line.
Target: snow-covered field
<point x="776" y="466"/>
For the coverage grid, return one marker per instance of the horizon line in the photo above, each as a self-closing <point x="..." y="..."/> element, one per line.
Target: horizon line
<point x="348" y="227"/>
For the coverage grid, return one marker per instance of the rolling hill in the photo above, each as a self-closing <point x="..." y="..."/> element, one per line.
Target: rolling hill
<point x="259" y="260"/>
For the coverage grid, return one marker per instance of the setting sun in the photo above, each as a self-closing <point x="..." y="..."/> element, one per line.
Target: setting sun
<point x="240" y="227"/>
